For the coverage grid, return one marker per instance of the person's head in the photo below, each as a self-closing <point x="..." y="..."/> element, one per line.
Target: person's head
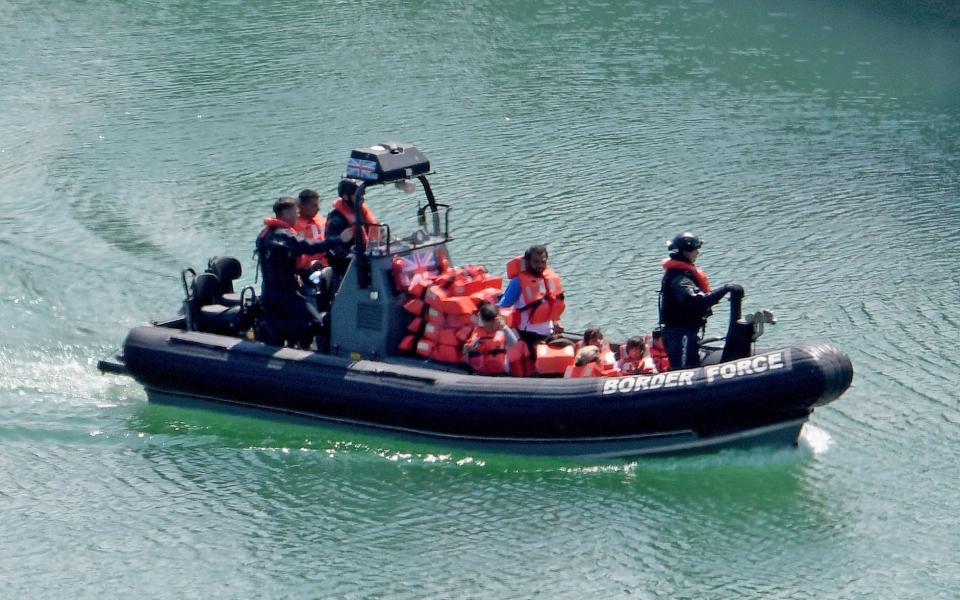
<point x="536" y="259"/>
<point x="285" y="209"/>
<point x="685" y="246"/>
<point x="489" y="316"/>
<point x="587" y="355"/>
<point x="347" y="190"/>
<point x="635" y="347"/>
<point x="592" y="336"/>
<point x="656" y="338"/>
<point x="309" y="202"/>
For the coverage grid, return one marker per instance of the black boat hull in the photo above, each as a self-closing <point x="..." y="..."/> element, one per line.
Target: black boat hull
<point x="764" y="399"/>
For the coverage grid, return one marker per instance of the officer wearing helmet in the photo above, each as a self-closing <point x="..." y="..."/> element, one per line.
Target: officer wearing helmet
<point x="686" y="298"/>
<point x="342" y="217"/>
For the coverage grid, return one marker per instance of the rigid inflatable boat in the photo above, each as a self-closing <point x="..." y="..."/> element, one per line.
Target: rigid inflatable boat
<point x="381" y="369"/>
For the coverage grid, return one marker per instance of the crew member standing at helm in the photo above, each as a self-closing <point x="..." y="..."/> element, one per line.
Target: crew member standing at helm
<point x="343" y="216"/>
<point x="288" y="316"/>
<point x="685" y="300"/>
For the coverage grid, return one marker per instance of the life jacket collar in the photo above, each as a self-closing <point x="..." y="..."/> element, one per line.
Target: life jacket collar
<point x="698" y="275"/>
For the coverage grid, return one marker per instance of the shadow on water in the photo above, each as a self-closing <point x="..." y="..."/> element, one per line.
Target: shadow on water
<point x="283" y="459"/>
<point x="197" y="422"/>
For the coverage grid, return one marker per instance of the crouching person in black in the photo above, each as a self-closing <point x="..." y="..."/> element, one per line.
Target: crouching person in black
<point x="288" y="316"/>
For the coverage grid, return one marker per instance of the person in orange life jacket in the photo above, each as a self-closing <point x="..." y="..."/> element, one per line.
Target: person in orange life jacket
<point x="589" y="363"/>
<point x="586" y="363"/>
<point x="656" y="351"/>
<point x="592" y="336"/>
<point x="310" y="225"/>
<point x="289" y="316"/>
<point x="685" y="301"/>
<point x="342" y="217"/>
<point x="530" y="295"/>
<point x="486" y="349"/>
<point x="636" y="359"/>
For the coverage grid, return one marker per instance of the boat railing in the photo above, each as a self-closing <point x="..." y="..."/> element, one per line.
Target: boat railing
<point x="428" y="232"/>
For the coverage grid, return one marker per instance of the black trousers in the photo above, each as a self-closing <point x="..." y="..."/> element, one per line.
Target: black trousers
<point x="291" y="320"/>
<point x="531" y="339"/>
<point x="683" y="347"/>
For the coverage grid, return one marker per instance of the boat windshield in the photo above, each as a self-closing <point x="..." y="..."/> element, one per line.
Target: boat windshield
<point x="401" y="229"/>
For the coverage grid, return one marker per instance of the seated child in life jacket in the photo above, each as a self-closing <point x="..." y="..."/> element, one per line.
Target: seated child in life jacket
<point x="589" y="363"/>
<point x="592" y="336"/>
<point x="488" y="348"/>
<point x="635" y="359"/>
<point x="657" y="351"/>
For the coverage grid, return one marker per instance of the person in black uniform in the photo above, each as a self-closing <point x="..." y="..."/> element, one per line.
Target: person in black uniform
<point x="685" y="301"/>
<point x="288" y="316"/>
<point x="341" y="219"/>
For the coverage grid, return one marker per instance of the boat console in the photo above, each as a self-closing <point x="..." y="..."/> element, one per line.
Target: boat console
<point x="367" y="319"/>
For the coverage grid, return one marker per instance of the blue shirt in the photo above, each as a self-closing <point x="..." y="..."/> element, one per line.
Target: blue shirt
<point x="511" y="294"/>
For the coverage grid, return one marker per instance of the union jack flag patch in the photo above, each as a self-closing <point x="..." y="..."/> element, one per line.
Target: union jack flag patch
<point x="420" y="266"/>
<point x="359" y="168"/>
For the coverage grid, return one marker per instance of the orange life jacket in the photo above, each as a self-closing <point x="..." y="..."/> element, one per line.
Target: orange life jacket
<point x="606" y="354"/>
<point x="698" y="275"/>
<point x="487" y="352"/>
<point x="519" y="360"/>
<point x="657" y="354"/>
<point x="311" y="229"/>
<point x="587" y="370"/>
<point x="641" y="366"/>
<point x="552" y="359"/>
<point x="273" y="223"/>
<point x="350" y="214"/>
<point x="542" y="295"/>
<point x="610" y="371"/>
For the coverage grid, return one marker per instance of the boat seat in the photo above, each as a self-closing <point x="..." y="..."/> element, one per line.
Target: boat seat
<point x="231" y="299"/>
<point x="218" y="318"/>
<point x="247" y="295"/>
<point x="210" y="315"/>
<point x="227" y="269"/>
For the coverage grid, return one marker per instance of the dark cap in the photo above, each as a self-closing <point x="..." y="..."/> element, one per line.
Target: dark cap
<point x="347" y="186"/>
<point x="283" y="203"/>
